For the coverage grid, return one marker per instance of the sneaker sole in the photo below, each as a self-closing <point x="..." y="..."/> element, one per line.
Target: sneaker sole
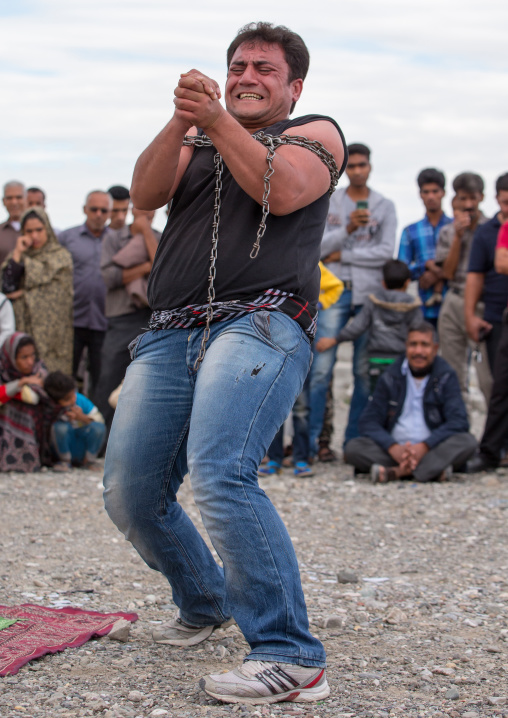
<point x="302" y="695"/>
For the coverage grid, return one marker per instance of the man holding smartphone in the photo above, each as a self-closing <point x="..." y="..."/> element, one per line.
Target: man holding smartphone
<point x="358" y="239"/>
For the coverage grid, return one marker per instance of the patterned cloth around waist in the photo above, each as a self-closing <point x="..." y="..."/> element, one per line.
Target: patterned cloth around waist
<point x="273" y="300"/>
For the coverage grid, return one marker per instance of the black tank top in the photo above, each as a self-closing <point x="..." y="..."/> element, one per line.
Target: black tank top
<point x="290" y="249"/>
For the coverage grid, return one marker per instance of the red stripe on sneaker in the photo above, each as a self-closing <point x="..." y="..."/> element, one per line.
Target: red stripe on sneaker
<point x="316" y="680"/>
<point x="292" y="696"/>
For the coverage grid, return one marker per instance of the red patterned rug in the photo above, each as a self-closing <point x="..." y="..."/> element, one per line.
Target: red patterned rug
<point x="38" y="630"/>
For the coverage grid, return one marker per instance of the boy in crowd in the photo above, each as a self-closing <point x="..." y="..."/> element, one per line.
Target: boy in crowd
<point x="77" y="436"/>
<point x="387" y="315"/>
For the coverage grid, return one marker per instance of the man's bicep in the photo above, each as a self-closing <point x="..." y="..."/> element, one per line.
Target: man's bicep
<point x="312" y="173"/>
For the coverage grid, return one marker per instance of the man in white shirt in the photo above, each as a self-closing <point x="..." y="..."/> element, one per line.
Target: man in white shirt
<point x="416" y="422"/>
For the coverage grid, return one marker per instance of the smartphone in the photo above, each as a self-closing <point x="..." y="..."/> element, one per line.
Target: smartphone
<point x="362" y="204"/>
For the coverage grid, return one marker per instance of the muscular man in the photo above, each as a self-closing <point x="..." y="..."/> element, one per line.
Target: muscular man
<point x="252" y="309"/>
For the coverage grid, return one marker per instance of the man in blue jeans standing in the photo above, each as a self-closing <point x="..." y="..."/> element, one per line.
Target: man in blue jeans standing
<point x="233" y="291"/>
<point x="358" y="239"/>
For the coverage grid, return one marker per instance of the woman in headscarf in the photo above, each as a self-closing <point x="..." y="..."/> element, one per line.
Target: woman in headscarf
<point x="25" y="413"/>
<point x="37" y="278"/>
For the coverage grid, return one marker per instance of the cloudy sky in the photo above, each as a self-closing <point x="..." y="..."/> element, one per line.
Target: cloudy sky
<point x="86" y="85"/>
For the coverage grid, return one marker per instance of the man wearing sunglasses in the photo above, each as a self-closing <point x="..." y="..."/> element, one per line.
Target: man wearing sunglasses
<point x="85" y="244"/>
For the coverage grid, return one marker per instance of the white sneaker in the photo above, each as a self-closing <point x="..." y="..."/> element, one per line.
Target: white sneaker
<point x="178" y="633"/>
<point x="258" y="682"/>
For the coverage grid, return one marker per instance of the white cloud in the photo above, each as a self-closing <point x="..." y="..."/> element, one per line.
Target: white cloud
<point x="86" y="85"/>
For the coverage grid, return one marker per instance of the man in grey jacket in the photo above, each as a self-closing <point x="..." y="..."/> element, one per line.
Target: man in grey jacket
<point x="358" y="239"/>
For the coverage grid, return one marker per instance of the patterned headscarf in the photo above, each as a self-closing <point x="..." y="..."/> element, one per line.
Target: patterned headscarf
<point x="8" y="369"/>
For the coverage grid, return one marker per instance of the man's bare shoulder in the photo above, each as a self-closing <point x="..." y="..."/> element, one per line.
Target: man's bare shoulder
<point x="323" y="131"/>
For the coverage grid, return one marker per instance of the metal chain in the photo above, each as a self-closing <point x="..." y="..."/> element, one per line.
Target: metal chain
<point x="272" y="142"/>
<point x="219" y="167"/>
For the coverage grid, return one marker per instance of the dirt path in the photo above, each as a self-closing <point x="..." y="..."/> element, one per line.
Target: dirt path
<point x="423" y="631"/>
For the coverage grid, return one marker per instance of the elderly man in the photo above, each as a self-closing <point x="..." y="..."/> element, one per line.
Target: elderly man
<point x="234" y="289"/>
<point x="415" y="423"/>
<point x="14" y="201"/>
<point x="85" y="244"/>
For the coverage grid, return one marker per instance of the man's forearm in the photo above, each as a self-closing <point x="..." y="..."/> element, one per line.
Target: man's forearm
<point x="156" y="169"/>
<point x="451" y="262"/>
<point x="472" y="293"/>
<point x="140" y="270"/>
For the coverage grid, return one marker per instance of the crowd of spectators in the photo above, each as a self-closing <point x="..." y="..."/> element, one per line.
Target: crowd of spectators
<point x="79" y="298"/>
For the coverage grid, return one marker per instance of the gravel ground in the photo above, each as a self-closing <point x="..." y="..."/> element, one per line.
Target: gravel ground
<point x="416" y="625"/>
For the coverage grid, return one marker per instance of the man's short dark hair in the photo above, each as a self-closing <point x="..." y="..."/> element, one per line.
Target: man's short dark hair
<point x="358" y="149"/>
<point x="395" y="274"/>
<point x="58" y="385"/>
<point x="431" y="176"/>
<point x="119" y="192"/>
<point x="502" y="183"/>
<point x="468" y="182"/>
<point x="37" y="189"/>
<point x="294" y="48"/>
<point x="425" y="328"/>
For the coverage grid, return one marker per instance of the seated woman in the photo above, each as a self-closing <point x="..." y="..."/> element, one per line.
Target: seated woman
<point x="24" y="420"/>
<point x="77" y="435"/>
<point x="37" y="278"/>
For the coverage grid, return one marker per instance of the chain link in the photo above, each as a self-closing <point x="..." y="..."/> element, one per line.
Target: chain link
<point x="219" y="167"/>
<point x="272" y="142"/>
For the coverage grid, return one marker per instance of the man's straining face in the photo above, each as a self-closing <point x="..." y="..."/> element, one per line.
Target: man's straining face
<point x="258" y="91"/>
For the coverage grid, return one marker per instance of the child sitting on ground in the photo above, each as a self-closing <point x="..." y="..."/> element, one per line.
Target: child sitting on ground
<point x="387" y="315"/>
<point x="77" y="436"/>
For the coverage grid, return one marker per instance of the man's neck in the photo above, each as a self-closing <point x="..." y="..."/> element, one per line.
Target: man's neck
<point x="95" y="232"/>
<point x="253" y="126"/>
<point x="358" y="193"/>
<point x="502" y="218"/>
<point x="434" y="216"/>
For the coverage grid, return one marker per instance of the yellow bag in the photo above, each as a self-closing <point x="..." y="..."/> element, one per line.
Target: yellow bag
<point x="330" y="288"/>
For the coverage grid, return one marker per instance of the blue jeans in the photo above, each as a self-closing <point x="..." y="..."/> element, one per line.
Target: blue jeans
<point x="300" y="431"/>
<point x="218" y="422"/>
<point x="330" y="322"/>
<point x="77" y="444"/>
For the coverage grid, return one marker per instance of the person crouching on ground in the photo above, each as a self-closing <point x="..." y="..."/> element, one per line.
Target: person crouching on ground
<point x="416" y="422"/>
<point x="24" y="422"/>
<point x="77" y="436"/>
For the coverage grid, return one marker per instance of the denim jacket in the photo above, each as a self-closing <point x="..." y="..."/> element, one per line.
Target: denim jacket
<point x="443" y="407"/>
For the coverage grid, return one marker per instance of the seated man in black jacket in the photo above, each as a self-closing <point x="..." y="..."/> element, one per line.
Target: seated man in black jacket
<point x="415" y="423"/>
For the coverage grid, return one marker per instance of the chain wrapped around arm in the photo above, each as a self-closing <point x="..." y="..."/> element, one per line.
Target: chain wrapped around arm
<point x="272" y="142"/>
